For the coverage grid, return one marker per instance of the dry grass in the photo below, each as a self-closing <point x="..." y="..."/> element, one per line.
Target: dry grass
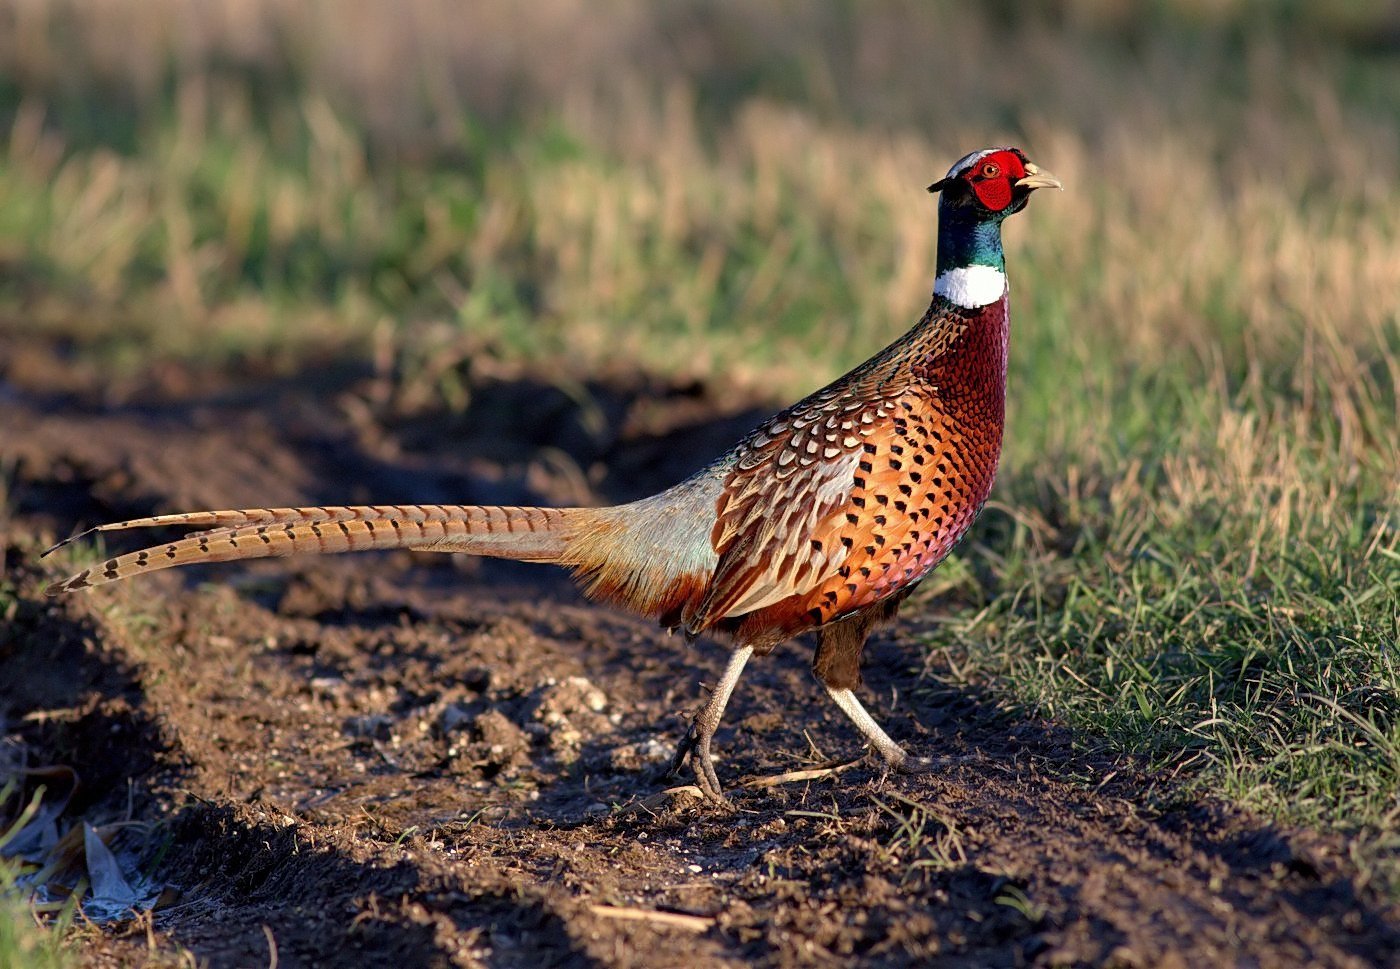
<point x="1218" y="189"/>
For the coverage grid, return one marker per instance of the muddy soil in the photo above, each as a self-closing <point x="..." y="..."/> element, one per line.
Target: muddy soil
<point x="411" y="760"/>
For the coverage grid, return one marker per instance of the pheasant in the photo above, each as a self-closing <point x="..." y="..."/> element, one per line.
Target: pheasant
<point x="823" y="518"/>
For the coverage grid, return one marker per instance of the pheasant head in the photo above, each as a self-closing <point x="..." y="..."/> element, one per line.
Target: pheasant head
<point x="978" y="193"/>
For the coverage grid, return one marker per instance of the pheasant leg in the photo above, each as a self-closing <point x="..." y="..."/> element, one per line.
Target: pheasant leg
<point x="696" y="743"/>
<point x="894" y="755"/>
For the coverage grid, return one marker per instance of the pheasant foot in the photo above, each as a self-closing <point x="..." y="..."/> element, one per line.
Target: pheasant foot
<point x="696" y="749"/>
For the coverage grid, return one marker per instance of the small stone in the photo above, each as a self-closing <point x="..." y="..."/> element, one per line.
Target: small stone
<point x="574" y="695"/>
<point x="453" y="717"/>
<point x="500" y="743"/>
<point x="638" y="756"/>
<point x="569" y="710"/>
<point x="329" y="684"/>
<point x="477" y="679"/>
<point x="371" y="725"/>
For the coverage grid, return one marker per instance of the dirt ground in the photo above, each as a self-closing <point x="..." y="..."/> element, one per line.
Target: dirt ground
<point x="413" y="760"/>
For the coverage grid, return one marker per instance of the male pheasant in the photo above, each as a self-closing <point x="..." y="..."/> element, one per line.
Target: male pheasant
<point x="823" y="518"/>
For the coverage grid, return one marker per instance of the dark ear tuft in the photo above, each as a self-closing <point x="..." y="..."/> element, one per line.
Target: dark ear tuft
<point x="939" y="185"/>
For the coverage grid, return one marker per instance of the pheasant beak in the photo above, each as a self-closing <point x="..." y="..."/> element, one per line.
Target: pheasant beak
<point x="1038" y="178"/>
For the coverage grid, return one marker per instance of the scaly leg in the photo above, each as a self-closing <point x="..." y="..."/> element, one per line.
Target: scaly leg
<point x="837" y="666"/>
<point x="894" y="755"/>
<point x="696" y="743"/>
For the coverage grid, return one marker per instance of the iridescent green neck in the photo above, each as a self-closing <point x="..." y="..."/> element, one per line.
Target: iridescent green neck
<point x="968" y="239"/>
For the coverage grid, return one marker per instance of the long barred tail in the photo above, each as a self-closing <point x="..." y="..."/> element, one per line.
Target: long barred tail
<point x="527" y="534"/>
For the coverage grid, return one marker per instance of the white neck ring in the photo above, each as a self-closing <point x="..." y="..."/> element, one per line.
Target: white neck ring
<point x="971" y="287"/>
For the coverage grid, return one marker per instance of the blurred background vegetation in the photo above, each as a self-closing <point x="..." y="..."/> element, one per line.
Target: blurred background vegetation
<point x="1192" y="552"/>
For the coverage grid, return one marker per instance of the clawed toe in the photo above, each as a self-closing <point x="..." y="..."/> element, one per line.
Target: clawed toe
<point x="695" y="749"/>
<point x="683" y="751"/>
<point x="910" y="764"/>
<point x="916" y="765"/>
<point x="709" y="786"/>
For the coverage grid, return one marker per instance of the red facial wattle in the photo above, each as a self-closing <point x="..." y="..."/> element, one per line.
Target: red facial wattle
<point x="994" y="193"/>
<point x="993" y="176"/>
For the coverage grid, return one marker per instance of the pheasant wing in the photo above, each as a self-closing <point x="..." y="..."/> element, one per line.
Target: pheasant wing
<point x="793" y="491"/>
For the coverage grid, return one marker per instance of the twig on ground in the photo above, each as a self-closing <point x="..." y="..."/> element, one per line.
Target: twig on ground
<point x="675" y="920"/>
<point x="797" y="776"/>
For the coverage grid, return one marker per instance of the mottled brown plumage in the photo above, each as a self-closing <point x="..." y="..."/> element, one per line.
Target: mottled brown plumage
<point x="823" y="518"/>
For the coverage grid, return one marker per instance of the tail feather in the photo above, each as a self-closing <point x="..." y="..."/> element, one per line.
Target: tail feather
<point x="527" y="534"/>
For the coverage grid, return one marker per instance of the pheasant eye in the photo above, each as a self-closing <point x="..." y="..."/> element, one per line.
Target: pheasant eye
<point x="990" y="170"/>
